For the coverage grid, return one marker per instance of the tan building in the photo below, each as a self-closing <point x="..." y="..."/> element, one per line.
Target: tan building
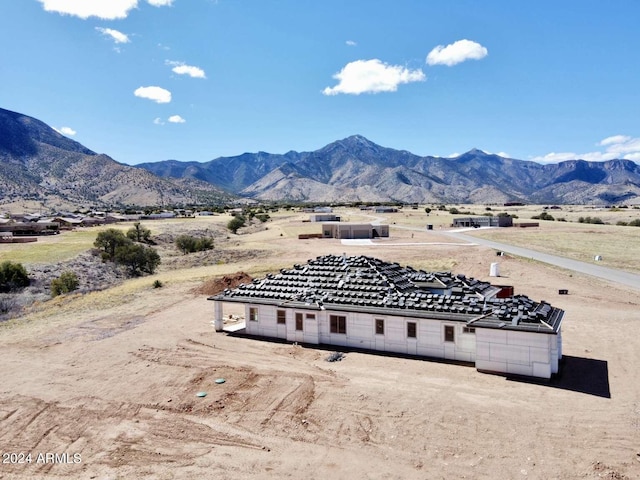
<point x="354" y="230"/>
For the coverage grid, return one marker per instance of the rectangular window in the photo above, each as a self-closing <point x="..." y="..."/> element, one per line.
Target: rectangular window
<point x="337" y="324"/>
<point x="411" y="330"/>
<point x="299" y="321"/>
<point x="311" y="316"/>
<point x="282" y="317"/>
<point x="379" y="326"/>
<point x="469" y="329"/>
<point x="253" y="314"/>
<point x="449" y="333"/>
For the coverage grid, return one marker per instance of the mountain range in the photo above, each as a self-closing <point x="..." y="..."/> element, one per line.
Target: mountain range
<point x="356" y="169"/>
<point x="37" y="162"/>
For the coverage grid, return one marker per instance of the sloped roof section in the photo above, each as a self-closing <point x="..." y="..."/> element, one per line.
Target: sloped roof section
<point x="366" y="284"/>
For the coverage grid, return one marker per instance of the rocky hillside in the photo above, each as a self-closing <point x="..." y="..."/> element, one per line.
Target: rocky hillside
<point x="36" y="162"/>
<point x="358" y="169"/>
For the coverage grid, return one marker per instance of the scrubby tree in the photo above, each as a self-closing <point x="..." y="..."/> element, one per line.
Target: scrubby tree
<point x="139" y="233"/>
<point x="13" y="276"/>
<point x="235" y="224"/>
<point x="137" y="258"/>
<point x="427" y="210"/>
<point x="65" y="283"/>
<point x="109" y="241"/>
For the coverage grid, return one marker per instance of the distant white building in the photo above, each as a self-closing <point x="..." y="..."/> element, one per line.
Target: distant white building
<point x="364" y="302"/>
<point x="483" y="221"/>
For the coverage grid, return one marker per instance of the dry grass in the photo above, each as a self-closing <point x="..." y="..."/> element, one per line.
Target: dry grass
<point x="576" y="240"/>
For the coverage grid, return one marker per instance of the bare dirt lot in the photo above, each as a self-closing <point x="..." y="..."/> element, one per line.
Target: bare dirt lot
<point x="113" y="377"/>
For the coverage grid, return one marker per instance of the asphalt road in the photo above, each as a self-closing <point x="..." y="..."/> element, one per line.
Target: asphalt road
<point x="610" y="274"/>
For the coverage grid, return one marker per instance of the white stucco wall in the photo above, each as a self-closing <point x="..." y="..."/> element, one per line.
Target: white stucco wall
<point x="520" y="353"/>
<point x="496" y="350"/>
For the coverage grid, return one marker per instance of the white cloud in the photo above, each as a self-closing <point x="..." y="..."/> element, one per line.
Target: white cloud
<point x="456" y="52"/>
<point x="176" y="119"/>
<point x="115" y="35"/>
<point x="372" y="76"/>
<point x="617" y="146"/>
<point x="614" y="139"/>
<point x="351" y="43"/>
<point x="157" y="94"/>
<point x="503" y="154"/>
<point x="182" y="69"/>
<point x="105" y="9"/>
<point x="158" y="121"/>
<point x="68" y="131"/>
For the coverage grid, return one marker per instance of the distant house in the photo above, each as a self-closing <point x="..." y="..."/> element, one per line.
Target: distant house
<point x="385" y="209"/>
<point x="159" y="216"/>
<point x="354" y="230"/>
<point x="324" y="217"/>
<point x="67" y="223"/>
<point x="29" y="228"/>
<point x="92" y="221"/>
<point x="483" y="221"/>
<point x="364" y="302"/>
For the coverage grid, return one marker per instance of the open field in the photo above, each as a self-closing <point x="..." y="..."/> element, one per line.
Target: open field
<point x="112" y="376"/>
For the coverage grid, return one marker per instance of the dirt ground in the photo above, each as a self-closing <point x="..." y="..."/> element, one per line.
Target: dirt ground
<point x="115" y="387"/>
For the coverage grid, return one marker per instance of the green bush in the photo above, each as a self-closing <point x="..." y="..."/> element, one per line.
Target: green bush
<point x="138" y="233"/>
<point x="595" y="220"/>
<point x="118" y="248"/>
<point x="236" y="223"/>
<point x="109" y="241"/>
<point x="137" y="258"/>
<point x="65" y="283"/>
<point x="157" y="284"/>
<point x="543" y="216"/>
<point x="189" y="244"/>
<point x="13" y="276"/>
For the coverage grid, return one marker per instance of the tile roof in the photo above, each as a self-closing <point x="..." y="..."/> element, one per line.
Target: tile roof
<point x="367" y="284"/>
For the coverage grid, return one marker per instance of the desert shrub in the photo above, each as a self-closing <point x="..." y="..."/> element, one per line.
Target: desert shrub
<point x="263" y="217"/>
<point x="137" y="258"/>
<point x="7" y="303"/>
<point x="634" y="223"/>
<point x="595" y="220"/>
<point x="138" y="233"/>
<point x="427" y="210"/>
<point x="236" y="223"/>
<point x="454" y="211"/>
<point x="65" y="283"/>
<point x="189" y="244"/>
<point x="543" y="216"/>
<point x="157" y="284"/>
<point x="13" y="276"/>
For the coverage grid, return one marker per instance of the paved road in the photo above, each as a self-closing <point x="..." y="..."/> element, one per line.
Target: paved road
<point x="610" y="274"/>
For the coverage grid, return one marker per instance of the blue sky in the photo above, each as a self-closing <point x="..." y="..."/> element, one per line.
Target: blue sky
<point x="192" y="80"/>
